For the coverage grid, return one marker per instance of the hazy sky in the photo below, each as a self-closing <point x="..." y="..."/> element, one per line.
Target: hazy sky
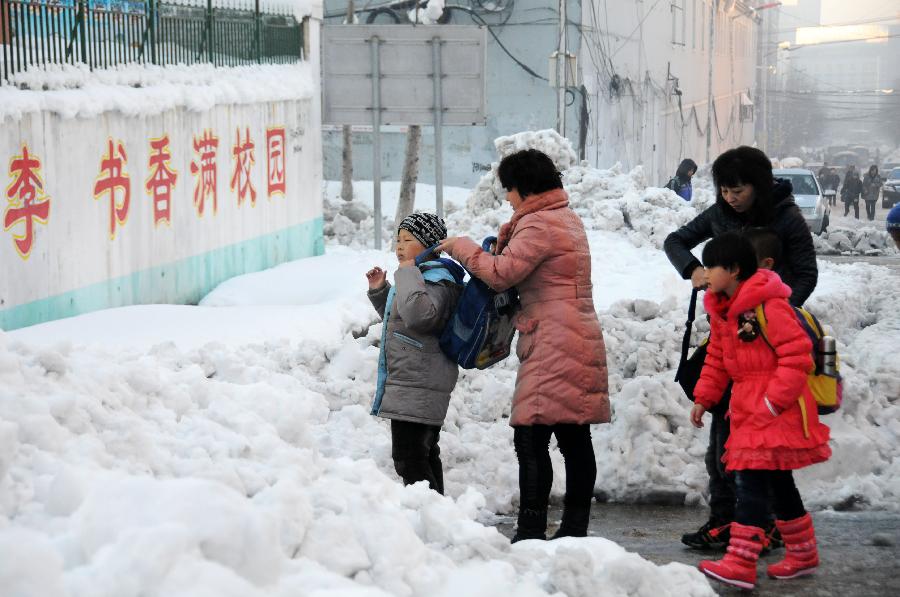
<point x="840" y="11"/>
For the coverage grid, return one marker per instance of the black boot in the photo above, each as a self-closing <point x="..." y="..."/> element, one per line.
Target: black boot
<point x="532" y="524"/>
<point x="713" y="535"/>
<point x="574" y="522"/>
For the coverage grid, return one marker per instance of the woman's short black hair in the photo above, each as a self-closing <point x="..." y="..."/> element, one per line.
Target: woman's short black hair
<point x="686" y="168"/>
<point x="765" y="242"/>
<point x="730" y="250"/>
<point x="746" y="166"/>
<point x="530" y="172"/>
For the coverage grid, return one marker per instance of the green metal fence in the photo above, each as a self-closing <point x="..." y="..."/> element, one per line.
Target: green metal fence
<point x="104" y="33"/>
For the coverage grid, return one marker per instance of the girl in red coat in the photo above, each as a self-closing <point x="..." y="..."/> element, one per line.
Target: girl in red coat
<point x="771" y="434"/>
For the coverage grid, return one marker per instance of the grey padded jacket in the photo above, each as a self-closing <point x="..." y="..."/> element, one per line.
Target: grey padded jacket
<point x="420" y="377"/>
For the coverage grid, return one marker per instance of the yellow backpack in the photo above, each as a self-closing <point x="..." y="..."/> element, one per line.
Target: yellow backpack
<point x="826" y="388"/>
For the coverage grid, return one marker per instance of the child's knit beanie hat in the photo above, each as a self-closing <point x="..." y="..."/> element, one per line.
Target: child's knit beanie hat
<point x="428" y="229"/>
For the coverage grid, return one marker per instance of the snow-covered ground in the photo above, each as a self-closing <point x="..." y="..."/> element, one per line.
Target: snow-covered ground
<point x="75" y="91"/>
<point x="227" y="449"/>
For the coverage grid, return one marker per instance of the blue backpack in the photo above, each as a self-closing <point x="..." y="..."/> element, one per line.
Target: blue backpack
<point x="480" y="331"/>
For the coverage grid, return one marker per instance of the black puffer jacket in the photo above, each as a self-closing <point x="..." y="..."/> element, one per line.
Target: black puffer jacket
<point x="798" y="267"/>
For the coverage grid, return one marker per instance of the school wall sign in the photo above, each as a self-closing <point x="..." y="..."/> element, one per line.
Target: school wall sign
<point x="117" y="210"/>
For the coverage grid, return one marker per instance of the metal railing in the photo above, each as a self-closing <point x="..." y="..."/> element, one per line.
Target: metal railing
<point x="104" y="33"/>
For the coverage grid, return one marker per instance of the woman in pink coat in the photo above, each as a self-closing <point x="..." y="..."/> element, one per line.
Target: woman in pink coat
<point x="561" y="386"/>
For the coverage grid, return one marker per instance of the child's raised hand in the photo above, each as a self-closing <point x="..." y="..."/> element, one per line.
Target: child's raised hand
<point x="377" y="278"/>
<point x="697" y="415"/>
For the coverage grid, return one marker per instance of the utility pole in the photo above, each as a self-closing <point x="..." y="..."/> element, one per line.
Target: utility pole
<point x="347" y="137"/>
<point x="714" y="8"/>
<point x="561" y="74"/>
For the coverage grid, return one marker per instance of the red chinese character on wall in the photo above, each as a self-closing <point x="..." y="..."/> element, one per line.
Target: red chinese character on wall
<point x="206" y="148"/>
<point x="275" y="160"/>
<point x="161" y="180"/>
<point x="244" y="158"/>
<point x="113" y="178"/>
<point x="26" y="200"/>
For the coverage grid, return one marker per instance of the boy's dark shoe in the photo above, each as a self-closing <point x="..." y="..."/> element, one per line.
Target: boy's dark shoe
<point x="710" y="537"/>
<point x="773" y="539"/>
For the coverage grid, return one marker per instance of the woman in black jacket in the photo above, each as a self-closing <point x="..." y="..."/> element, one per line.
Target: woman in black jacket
<point x="747" y="196"/>
<point x="850" y="192"/>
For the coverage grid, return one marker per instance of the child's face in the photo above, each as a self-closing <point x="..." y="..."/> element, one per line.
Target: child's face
<point x="407" y="245"/>
<point x="721" y="279"/>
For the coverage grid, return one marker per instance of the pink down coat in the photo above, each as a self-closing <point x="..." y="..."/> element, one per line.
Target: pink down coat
<point x="543" y="251"/>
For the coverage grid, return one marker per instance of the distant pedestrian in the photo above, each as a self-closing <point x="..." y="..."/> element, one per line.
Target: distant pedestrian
<point x="772" y="431"/>
<point x="681" y="182"/>
<point x="415" y="379"/>
<point x="833" y="181"/>
<point x="851" y="191"/>
<point x="872" y="183"/>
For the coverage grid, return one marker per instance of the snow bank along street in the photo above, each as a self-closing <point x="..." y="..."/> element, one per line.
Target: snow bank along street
<point x="227" y="449"/>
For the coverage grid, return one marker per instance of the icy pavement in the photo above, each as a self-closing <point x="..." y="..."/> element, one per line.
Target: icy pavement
<point x="858" y="550"/>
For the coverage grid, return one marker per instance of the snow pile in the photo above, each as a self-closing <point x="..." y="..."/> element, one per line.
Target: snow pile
<point x="650" y="450"/>
<point x="860" y="240"/>
<point x="429" y="15"/>
<point x="227" y="448"/>
<point x="74" y="91"/>
<point x="297" y="8"/>
<point x="233" y="471"/>
<point x="610" y="200"/>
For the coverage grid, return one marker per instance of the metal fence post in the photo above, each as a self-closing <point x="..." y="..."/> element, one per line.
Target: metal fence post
<point x="209" y="31"/>
<point x="258" y="33"/>
<point x="82" y="27"/>
<point x="152" y="29"/>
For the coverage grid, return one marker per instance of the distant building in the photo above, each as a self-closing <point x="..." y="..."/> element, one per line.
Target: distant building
<point x="641" y="97"/>
<point x="647" y="73"/>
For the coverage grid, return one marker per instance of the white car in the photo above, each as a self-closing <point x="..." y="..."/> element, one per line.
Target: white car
<point x="809" y="197"/>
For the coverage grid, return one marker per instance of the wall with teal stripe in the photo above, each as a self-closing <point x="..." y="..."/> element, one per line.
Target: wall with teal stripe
<point x="180" y="282"/>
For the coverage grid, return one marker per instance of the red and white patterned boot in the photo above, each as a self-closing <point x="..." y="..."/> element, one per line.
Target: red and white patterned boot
<point x="738" y="567"/>
<point x="800" y="544"/>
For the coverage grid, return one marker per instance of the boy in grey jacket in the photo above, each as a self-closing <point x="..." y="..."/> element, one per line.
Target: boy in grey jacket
<point x="415" y="378"/>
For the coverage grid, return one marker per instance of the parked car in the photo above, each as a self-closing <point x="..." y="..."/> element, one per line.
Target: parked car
<point x="890" y="192"/>
<point x="809" y="197"/>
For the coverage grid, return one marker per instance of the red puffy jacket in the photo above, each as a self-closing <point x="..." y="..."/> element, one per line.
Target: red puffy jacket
<point x="760" y="439"/>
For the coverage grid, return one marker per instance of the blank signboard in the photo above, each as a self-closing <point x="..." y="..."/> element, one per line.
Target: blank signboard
<point x="406" y="64"/>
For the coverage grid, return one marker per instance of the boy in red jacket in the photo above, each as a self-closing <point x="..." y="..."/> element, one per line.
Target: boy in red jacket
<point x="768" y="439"/>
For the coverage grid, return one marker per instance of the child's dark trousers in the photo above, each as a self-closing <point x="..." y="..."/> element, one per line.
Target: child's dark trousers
<point x="417" y="457"/>
<point x="757" y="488"/>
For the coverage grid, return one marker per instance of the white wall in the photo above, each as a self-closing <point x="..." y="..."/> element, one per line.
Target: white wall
<point x="645" y="45"/>
<point x="79" y="259"/>
<point x="81" y="254"/>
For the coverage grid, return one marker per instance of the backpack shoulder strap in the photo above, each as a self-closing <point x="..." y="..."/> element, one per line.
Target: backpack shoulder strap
<point x="686" y="339"/>
<point x="763" y="323"/>
<point x="436" y="272"/>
